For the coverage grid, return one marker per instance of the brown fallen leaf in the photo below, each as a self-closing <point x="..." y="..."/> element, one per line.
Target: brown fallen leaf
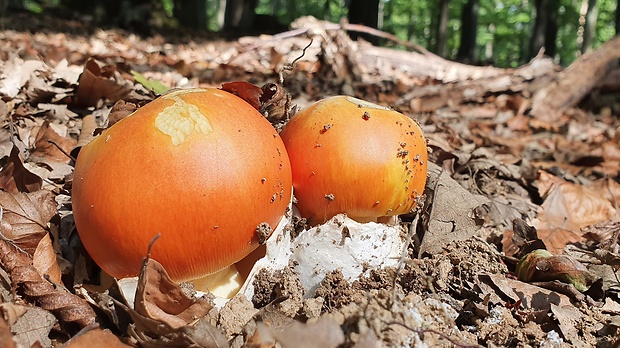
<point x="165" y="317"/>
<point x="87" y="133"/>
<point x="161" y="299"/>
<point x="27" y="281"/>
<point x="34" y="326"/>
<point x="50" y="146"/>
<point x="15" y="178"/>
<point x="6" y="336"/>
<point x="521" y="239"/>
<point x="25" y="217"/>
<point x="97" y="82"/>
<point x="570" y="206"/>
<point x="556" y="239"/>
<point x="94" y="338"/>
<point x="119" y="111"/>
<point x="11" y="312"/>
<point x="568" y="317"/>
<point x="532" y="297"/>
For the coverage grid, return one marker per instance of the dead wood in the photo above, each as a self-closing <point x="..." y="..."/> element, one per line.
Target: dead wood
<point x="572" y="84"/>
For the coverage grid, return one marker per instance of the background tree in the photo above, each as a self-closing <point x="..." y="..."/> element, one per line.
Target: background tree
<point x="364" y="12"/>
<point x="469" y="32"/>
<point x="191" y="13"/>
<point x="441" y="28"/>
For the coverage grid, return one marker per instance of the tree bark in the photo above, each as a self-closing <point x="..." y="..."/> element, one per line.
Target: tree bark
<point x="442" y="28"/>
<point x="239" y="16"/>
<point x="191" y="13"/>
<point x="537" y="40"/>
<point x="545" y="29"/>
<point x="551" y="32"/>
<point x="469" y="31"/>
<point x="618" y="18"/>
<point x="364" y="12"/>
<point x="590" y="27"/>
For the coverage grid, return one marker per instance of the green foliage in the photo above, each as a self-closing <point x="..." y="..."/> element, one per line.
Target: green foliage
<point x="504" y="26"/>
<point x="150" y="84"/>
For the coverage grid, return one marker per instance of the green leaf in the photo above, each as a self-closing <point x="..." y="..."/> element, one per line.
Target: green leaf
<point x="151" y="85"/>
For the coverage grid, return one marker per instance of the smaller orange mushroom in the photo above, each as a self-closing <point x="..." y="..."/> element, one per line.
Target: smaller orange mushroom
<point x="355" y="157"/>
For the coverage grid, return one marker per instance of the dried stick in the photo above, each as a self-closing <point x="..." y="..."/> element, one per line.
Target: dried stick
<point x="67" y="308"/>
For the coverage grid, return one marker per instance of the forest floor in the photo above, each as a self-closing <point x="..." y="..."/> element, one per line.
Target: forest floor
<point x="504" y="183"/>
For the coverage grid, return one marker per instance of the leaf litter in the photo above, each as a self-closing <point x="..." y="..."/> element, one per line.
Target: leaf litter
<point x="506" y="184"/>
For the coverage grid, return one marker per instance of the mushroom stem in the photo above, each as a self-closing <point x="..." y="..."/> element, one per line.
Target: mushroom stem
<point x="225" y="283"/>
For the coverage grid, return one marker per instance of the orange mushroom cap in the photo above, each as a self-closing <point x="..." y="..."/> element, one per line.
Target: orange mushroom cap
<point x="200" y="166"/>
<point x="351" y="156"/>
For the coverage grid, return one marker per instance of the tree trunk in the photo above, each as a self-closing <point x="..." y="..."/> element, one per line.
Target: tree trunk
<point x="364" y="12"/>
<point x="221" y="14"/>
<point x="469" y="31"/>
<point x="442" y="28"/>
<point x="191" y="13"/>
<point x="545" y="29"/>
<point x="411" y="25"/>
<point x="590" y="27"/>
<point x="239" y="16"/>
<point x="618" y="17"/>
<point x="551" y="32"/>
<point x="537" y="40"/>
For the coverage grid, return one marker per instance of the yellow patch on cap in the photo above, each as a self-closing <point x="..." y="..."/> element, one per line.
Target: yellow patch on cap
<point x="181" y="119"/>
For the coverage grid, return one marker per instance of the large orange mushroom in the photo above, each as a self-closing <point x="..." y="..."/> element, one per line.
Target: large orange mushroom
<point x="201" y="167"/>
<point x="351" y="156"/>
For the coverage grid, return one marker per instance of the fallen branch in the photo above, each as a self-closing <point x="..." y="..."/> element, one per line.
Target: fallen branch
<point x="574" y="83"/>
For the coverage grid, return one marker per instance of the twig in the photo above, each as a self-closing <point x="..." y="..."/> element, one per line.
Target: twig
<point x="382" y="34"/>
<point x="442" y="335"/>
<point x="356" y="28"/>
<point x="291" y="66"/>
<point x="61" y="150"/>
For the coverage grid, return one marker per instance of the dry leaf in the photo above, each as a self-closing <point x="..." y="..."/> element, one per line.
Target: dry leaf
<point x="14" y="177"/>
<point x="119" y="111"/>
<point x="47" y="143"/>
<point x="570" y="206"/>
<point x="89" y="125"/>
<point x="532" y="297"/>
<point x="6" y="336"/>
<point x="568" y="317"/>
<point x="453" y="216"/>
<point x="161" y="299"/>
<point x="44" y="260"/>
<point x="67" y="307"/>
<point x="25" y="217"/>
<point x="17" y="72"/>
<point x="556" y="239"/>
<point x="24" y="220"/>
<point x="246" y="91"/>
<point x="95" y="338"/>
<point x="165" y="317"/>
<point x="11" y="311"/>
<point x="98" y="82"/>
<point x="35" y="325"/>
